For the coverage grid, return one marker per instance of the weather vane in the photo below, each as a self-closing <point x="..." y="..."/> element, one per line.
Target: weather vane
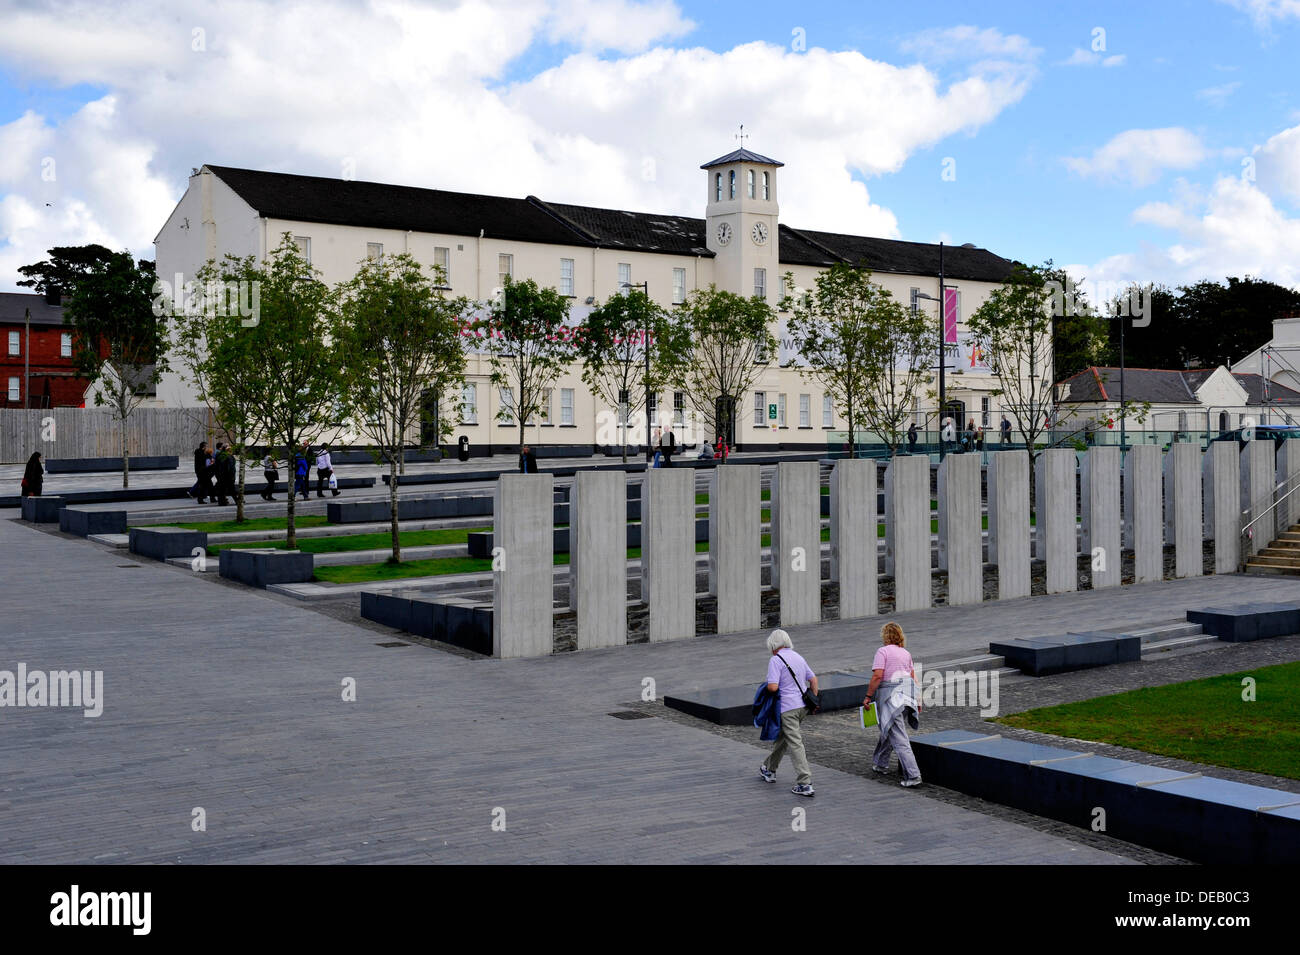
<point x="742" y="135"/>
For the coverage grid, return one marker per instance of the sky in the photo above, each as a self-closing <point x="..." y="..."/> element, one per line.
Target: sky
<point x="1131" y="142"/>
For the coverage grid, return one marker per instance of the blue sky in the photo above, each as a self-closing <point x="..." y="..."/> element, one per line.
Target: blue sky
<point x="1125" y="162"/>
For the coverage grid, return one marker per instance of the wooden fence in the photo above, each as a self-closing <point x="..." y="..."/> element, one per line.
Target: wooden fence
<point x="93" y="433"/>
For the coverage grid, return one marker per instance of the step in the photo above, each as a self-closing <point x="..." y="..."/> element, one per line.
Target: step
<point x="1271" y="561"/>
<point x="1154" y="633"/>
<point x="1178" y="643"/>
<point x="1288" y="571"/>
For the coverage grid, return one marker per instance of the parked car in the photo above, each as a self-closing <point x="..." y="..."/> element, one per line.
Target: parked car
<point x="1277" y="433"/>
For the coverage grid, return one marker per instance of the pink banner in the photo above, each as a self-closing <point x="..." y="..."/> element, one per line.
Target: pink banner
<point x="950" y="306"/>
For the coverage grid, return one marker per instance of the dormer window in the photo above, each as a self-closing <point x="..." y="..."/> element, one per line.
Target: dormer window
<point x="749" y="183"/>
<point x="717" y="185"/>
<point x="732" y="176"/>
<point x="767" y="186"/>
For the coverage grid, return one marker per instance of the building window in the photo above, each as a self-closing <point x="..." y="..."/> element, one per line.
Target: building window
<point x="13" y="389"/>
<point x="767" y="186"/>
<point x="805" y="411"/>
<point x="732" y="177"/>
<point x="14" y="344"/>
<point x="985" y="413"/>
<point x="507" y="412"/>
<point x="442" y="259"/>
<point x="679" y="408"/>
<point x="749" y="183"/>
<point x="828" y="419"/>
<point x="679" y="286"/>
<point x="760" y="283"/>
<point x="303" y="242"/>
<point x="545" y="411"/>
<point x="717" y="187"/>
<point x="505" y="269"/>
<point x="624" y="276"/>
<point x="652" y="401"/>
<point x="780" y="411"/>
<point x="566" y="406"/>
<point x="374" y="251"/>
<point x="469" y="398"/>
<point x="65" y="345"/>
<point x="566" y="276"/>
<point x="760" y="409"/>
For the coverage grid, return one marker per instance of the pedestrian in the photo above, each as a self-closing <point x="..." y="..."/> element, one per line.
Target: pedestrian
<point x="968" y="438"/>
<point x="33" y="476"/>
<point x="911" y="438"/>
<point x="720" y="449"/>
<point x="270" y="471"/>
<point x="789" y="675"/>
<point x="325" y="472"/>
<point x="301" y="473"/>
<point x="893" y="692"/>
<point x="979" y="438"/>
<point x="668" y="445"/>
<point x="527" y="460"/>
<point x="706" y="451"/>
<point x="947" y="431"/>
<point x="1006" y="430"/>
<point x="202" y="488"/>
<point x="224" y="470"/>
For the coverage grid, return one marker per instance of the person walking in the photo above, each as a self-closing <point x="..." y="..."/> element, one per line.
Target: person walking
<point x="893" y="692"/>
<point x="668" y="446"/>
<point x="911" y="438"/>
<point x="789" y="675"/>
<point x="301" y="473"/>
<point x="325" y="472"/>
<point x="527" y="460"/>
<point x="270" y="471"/>
<point x="33" y="476"/>
<point x="224" y="469"/>
<point x="1006" y="431"/>
<point x="202" y="488"/>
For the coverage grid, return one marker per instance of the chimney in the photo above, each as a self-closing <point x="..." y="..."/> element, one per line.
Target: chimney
<point x="53" y="296"/>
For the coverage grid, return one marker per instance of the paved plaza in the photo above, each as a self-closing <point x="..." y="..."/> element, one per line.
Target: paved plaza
<point x="229" y="699"/>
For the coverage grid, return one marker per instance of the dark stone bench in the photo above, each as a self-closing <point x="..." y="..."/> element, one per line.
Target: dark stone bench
<point x="480" y="542"/>
<point x="260" y="567"/>
<point x="83" y="522"/>
<point x="161" y="462"/>
<point x="43" y="510"/>
<point x="413" y="456"/>
<point x="122" y="495"/>
<point x="1239" y="623"/>
<point x="462" y="623"/>
<point x="1041" y="656"/>
<point x="1188" y="815"/>
<point x="734" y="705"/>
<point x="164" y="543"/>
<point x="409" y="509"/>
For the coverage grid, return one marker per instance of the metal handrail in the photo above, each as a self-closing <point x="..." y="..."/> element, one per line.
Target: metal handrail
<point x="1245" y="530"/>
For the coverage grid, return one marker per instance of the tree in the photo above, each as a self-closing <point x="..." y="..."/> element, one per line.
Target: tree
<point x="398" y="337"/>
<point x="612" y="344"/>
<point x="528" y="343"/>
<point x="868" y="350"/>
<point x="726" y="342"/>
<point x="213" y="347"/>
<point x="119" y="340"/>
<point x="1079" y="333"/>
<point x="286" y="356"/>
<point x="57" y="276"/>
<point x="1013" y="327"/>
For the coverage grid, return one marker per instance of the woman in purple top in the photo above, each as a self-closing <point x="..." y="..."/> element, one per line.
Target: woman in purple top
<point x="893" y="690"/>
<point x="787" y="675"/>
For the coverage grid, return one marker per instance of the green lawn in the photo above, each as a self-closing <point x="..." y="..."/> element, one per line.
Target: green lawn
<point x="252" y="524"/>
<point x="1204" y="721"/>
<point x="335" y="545"/>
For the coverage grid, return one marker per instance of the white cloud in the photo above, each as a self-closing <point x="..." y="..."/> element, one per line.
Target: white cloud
<point x="1139" y="156"/>
<point x="1264" y="12"/>
<point x="943" y="44"/>
<point x="412" y="94"/>
<point x="1217" y="96"/>
<point x="1277" y="164"/>
<point x="1082" y="57"/>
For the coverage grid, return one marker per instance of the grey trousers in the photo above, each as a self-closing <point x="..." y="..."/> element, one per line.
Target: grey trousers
<point x="791" y="739"/>
<point x="896" y="741"/>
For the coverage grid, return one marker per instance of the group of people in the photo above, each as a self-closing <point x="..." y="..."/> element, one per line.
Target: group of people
<point x="214" y="473"/>
<point x="717" y="449"/>
<point x="790" y="695"/>
<point x="33" y="476"/>
<point x="971" y="439"/>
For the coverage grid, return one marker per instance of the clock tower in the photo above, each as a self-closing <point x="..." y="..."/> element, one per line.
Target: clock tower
<point x="741" y="223"/>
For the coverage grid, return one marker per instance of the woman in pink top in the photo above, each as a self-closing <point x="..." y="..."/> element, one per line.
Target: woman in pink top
<point x="894" y="692"/>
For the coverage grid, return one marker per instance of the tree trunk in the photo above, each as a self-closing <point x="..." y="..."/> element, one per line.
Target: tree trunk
<point x="126" y="460"/>
<point x="392" y="509"/>
<point x="622" y="428"/>
<point x="239" y="489"/>
<point x="291" y="536"/>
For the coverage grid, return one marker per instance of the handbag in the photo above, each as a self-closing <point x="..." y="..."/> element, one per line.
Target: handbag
<point x="333" y="482"/>
<point x="812" y="701"/>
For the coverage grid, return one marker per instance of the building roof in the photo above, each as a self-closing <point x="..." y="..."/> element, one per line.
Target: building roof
<point x="382" y="206"/>
<point x="741" y="155"/>
<point x="1167" y="386"/>
<point x="13" y="305"/>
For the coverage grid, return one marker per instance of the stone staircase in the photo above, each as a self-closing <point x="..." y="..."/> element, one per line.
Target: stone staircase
<point x="1282" y="556"/>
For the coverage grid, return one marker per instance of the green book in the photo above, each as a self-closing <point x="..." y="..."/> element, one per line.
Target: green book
<point x="867" y="715"/>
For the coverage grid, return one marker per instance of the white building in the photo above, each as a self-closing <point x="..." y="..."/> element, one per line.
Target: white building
<point x="588" y="254"/>
<point x="1278" y="362"/>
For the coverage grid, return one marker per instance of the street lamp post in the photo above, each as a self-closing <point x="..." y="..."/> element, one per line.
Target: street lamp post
<point x="645" y="347"/>
<point x="917" y="295"/>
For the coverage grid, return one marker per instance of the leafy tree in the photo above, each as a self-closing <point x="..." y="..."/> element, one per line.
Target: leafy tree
<point x="66" y="264"/>
<point x="119" y="342"/>
<point x="611" y="344"/>
<point x="397" y="337"/>
<point x="1079" y="332"/>
<point x="726" y="340"/>
<point x="528" y="343"/>
<point x="869" y="351"/>
<point x="286" y="357"/>
<point x="1225" y="323"/>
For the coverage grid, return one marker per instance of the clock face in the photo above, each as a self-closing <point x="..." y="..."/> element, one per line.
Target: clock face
<point x="724" y="233"/>
<point x="759" y="233"/>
